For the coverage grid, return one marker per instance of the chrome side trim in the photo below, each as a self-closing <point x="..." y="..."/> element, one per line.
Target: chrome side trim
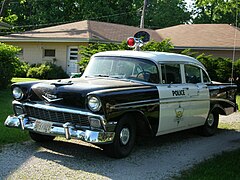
<point x="136" y="104"/>
<point x="67" y="130"/>
<point x="224" y="100"/>
<point x="153" y="102"/>
<point x="178" y="100"/>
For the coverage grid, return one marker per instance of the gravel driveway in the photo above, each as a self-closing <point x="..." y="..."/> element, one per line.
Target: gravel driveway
<point x="157" y="158"/>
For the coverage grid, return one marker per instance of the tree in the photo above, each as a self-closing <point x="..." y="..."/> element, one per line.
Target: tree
<point x="33" y="14"/>
<point x="216" y="11"/>
<point x="41" y="13"/>
<point x="165" y="13"/>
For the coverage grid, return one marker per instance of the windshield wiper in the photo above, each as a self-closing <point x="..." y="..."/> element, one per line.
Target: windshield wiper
<point x="100" y="75"/>
<point x="118" y="76"/>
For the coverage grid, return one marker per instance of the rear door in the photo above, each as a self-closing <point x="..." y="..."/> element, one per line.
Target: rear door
<point x="198" y="95"/>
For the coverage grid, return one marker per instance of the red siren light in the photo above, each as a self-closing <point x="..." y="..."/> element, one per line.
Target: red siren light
<point x="131" y="42"/>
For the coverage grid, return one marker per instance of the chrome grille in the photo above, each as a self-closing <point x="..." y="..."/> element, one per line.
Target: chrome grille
<point x="55" y="116"/>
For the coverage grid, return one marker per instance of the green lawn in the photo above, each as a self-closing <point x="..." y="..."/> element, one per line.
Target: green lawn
<point x="8" y="135"/>
<point x="221" y="167"/>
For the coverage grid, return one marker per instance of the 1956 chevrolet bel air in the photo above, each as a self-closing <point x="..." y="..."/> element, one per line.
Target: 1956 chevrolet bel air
<point x="121" y="95"/>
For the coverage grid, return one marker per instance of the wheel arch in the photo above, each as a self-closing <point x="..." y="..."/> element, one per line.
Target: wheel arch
<point x="217" y="108"/>
<point x="143" y="126"/>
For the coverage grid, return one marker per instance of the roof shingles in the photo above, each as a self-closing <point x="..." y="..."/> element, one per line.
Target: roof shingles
<point x="83" y="31"/>
<point x="202" y="35"/>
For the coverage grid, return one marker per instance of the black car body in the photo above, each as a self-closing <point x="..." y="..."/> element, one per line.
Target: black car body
<point x="121" y="95"/>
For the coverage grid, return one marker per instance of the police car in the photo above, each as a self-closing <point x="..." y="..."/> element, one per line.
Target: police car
<point x="122" y="95"/>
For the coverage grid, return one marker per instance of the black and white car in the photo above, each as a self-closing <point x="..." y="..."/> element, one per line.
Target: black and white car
<point x="121" y="95"/>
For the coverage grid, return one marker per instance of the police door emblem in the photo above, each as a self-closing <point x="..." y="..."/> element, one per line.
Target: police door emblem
<point x="179" y="113"/>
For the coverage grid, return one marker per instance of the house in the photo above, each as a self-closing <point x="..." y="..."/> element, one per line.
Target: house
<point x="216" y="39"/>
<point x="59" y="44"/>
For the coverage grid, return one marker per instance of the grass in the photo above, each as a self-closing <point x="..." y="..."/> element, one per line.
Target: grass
<point x="15" y="80"/>
<point x="221" y="167"/>
<point x="8" y="135"/>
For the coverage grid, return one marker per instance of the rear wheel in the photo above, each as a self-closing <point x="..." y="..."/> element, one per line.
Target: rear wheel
<point x="124" y="138"/>
<point x="211" y="124"/>
<point x="40" y="137"/>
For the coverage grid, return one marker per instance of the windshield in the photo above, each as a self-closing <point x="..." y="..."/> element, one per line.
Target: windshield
<point x="119" y="67"/>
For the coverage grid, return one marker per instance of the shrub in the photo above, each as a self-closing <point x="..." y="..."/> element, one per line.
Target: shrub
<point x="8" y="63"/>
<point x="219" y="69"/>
<point x="22" y="69"/>
<point x="46" y="71"/>
<point x="33" y="73"/>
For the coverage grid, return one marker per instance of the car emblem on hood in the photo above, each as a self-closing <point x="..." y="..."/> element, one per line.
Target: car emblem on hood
<point x="51" y="97"/>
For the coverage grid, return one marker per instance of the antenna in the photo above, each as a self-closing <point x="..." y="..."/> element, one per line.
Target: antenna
<point x="234" y="42"/>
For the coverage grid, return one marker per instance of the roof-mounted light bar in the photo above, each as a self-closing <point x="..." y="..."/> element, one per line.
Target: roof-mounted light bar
<point x="139" y="39"/>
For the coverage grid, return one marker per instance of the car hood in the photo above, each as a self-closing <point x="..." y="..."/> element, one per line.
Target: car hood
<point x="73" y="92"/>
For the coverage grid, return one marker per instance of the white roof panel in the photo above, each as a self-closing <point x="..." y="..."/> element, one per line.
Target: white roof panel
<point x="158" y="57"/>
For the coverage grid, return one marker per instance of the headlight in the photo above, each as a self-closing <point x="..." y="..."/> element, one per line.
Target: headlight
<point x="94" y="103"/>
<point x="17" y="93"/>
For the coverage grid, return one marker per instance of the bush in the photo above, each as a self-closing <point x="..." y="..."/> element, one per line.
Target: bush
<point x="46" y="71"/>
<point x="219" y="69"/>
<point x="8" y="63"/>
<point x="22" y="69"/>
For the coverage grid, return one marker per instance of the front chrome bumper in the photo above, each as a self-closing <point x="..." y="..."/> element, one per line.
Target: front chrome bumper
<point x="67" y="130"/>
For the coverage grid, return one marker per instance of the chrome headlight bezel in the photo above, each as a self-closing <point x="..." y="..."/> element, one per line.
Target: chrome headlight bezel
<point x="17" y="93"/>
<point x="94" y="103"/>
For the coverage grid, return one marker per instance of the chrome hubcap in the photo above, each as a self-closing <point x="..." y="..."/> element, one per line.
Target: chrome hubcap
<point x="124" y="136"/>
<point x="210" y="119"/>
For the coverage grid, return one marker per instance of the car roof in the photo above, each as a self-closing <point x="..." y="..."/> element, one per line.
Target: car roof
<point x="157" y="57"/>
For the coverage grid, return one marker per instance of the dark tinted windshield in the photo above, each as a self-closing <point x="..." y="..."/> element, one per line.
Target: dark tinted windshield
<point x="127" y="68"/>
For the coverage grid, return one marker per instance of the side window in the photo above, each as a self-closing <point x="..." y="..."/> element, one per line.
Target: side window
<point x="171" y="74"/>
<point x="192" y="74"/>
<point x="205" y="77"/>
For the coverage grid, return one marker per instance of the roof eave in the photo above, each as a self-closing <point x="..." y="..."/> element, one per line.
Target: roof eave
<point x="57" y="40"/>
<point x="206" y="48"/>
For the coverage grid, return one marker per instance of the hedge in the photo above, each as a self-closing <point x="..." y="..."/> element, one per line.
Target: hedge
<point x="8" y="63"/>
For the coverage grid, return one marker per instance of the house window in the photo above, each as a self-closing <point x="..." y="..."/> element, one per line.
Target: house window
<point x="73" y="54"/>
<point x="49" y="52"/>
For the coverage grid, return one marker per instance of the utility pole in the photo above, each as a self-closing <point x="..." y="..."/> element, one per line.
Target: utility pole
<point x="143" y="13"/>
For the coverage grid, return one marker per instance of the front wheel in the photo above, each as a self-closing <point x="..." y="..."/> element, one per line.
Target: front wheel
<point x="211" y="124"/>
<point x="40" y="137"/>
<point x="124" y="138"/>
